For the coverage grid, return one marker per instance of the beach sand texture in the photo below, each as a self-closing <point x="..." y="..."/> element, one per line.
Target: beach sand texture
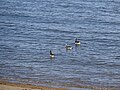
<point x="13" y="86"/>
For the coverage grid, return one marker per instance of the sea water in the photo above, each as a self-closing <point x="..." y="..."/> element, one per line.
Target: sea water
<point x="29" y="29"/>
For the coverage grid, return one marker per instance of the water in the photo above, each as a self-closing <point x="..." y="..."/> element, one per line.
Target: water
<point x="29" y="29"/>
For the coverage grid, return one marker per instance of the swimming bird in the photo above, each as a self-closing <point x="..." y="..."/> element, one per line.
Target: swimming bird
<point x="68" y="47"/>
<point x="52" y="55"/>
<point x="77" y="42"/>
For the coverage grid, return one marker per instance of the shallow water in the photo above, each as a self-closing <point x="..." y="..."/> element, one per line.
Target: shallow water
<point x="29" y="29"/>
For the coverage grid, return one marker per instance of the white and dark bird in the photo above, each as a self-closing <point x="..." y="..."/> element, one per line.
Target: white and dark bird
<point x="68" y="47"/>
<point x="77" y="42"/>
<point x="52" y="55"/>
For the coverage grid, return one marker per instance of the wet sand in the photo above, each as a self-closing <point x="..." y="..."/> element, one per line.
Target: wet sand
<point x="4" y="85"/>
<point x="13" y="86"/>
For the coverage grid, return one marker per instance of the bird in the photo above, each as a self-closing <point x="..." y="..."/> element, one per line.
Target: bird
<point x="52" y="55"/>
<point x="77" y="42"/>
<point x="68" y="47"/>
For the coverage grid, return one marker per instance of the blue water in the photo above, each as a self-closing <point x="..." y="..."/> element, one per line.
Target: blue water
<point x="29" y="29"/>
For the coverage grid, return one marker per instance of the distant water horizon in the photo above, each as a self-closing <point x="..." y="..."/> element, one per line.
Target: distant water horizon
<point x="30" y="29"/>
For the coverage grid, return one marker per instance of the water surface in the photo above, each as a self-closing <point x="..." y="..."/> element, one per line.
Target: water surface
<point x="29" y="29"/>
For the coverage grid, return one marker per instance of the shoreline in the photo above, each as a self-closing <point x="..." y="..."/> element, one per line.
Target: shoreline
<point x="6" y="85"/>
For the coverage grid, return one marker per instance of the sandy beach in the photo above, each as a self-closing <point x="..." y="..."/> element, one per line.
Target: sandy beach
<point x="13" y="86"/>
<point x="4" y="85"/>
